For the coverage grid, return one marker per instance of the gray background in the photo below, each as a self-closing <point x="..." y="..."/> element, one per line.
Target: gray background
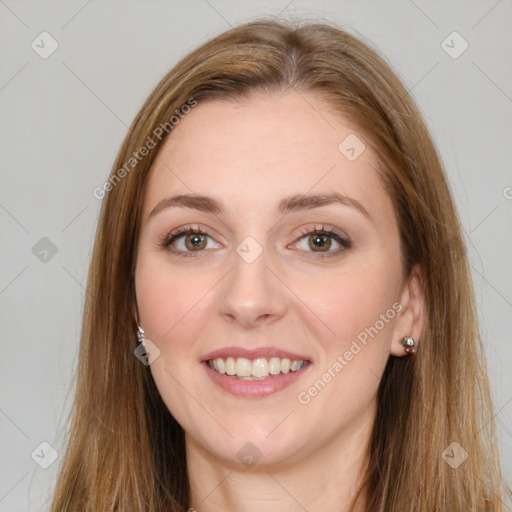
<point x="64" y="117"/>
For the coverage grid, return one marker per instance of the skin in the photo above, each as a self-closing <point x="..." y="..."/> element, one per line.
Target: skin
<point x="249" y="154"/>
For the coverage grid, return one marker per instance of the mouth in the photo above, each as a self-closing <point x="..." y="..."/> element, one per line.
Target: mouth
<point x="254" y="373"/>
<point x="260" y="368"/>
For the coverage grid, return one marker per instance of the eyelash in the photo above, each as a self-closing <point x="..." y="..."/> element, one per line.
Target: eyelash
<point x="332" y="233"/>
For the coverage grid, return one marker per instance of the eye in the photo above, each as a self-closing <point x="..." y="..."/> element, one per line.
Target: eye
<point x="188" y="240"/>
<point x="323" y="242"/>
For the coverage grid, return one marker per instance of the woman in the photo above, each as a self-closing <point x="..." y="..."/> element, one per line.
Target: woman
<point x="280" y="313"/>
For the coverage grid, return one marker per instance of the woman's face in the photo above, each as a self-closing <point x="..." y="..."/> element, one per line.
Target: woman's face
<point x="295" y="258"/>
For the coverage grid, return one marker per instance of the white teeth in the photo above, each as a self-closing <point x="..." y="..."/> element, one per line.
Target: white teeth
<point x="230" y="366"/>
<point x="260" y="368"/>
<point x="274" y="365"/>
<point x="243" y="367"/>
<point x="257" y="369"/>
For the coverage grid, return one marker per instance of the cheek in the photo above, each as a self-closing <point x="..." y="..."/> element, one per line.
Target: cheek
<point x="357" y="304"/>
<point x="352" y="301"/>
<point x="358" y="310"/>
<point x="170" y="303"/>
<point x="167" y="297"/>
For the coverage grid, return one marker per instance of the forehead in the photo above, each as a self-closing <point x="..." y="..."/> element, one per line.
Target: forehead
<point x="254" y="151"/>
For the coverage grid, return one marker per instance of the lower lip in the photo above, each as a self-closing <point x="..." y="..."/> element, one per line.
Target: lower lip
<point x="254" y="388"/>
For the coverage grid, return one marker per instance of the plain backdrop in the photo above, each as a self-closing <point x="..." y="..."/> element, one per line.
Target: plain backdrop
<point x="63" y="118"/>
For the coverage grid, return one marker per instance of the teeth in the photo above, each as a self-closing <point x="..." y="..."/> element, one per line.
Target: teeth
<point x="274" y="365"/>
<point x="294" y="366"/>
<point x="230" y="366"/>
<point x="244" y="367"/>
<point x="257" y="369"/>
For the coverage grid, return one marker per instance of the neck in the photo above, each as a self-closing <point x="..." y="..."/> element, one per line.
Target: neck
<point x="326" y="479"/>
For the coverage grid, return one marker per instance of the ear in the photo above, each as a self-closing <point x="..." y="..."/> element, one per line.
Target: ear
<point x="411" y="317"/>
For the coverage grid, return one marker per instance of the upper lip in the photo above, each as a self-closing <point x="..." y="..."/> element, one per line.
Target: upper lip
<point x="254" y="353"/>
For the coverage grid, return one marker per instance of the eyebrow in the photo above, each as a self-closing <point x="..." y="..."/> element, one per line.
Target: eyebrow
<point x="289" y="204"/>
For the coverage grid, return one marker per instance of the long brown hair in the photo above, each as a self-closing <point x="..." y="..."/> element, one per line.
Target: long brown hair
<point x="125" y="450"/>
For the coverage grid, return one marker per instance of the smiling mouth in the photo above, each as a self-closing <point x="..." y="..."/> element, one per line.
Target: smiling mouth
<point x="260" y="368"/>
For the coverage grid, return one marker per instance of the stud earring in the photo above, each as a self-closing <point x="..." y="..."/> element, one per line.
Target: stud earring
<point x="140" y="335"/>
<point x="409" y="344"/>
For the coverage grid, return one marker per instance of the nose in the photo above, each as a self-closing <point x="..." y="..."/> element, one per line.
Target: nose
<point x="251" y="293"/>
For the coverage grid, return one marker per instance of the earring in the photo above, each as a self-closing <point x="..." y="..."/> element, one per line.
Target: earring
<point x="140" y="335"/>
<point x="409" y="344"/>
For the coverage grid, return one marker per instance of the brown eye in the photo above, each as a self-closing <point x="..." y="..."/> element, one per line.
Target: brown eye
<point x="194" y="241"/>
<point x="323" y="242"/>
<point x="320" y="242"/>
<point x="187" y="241"/>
